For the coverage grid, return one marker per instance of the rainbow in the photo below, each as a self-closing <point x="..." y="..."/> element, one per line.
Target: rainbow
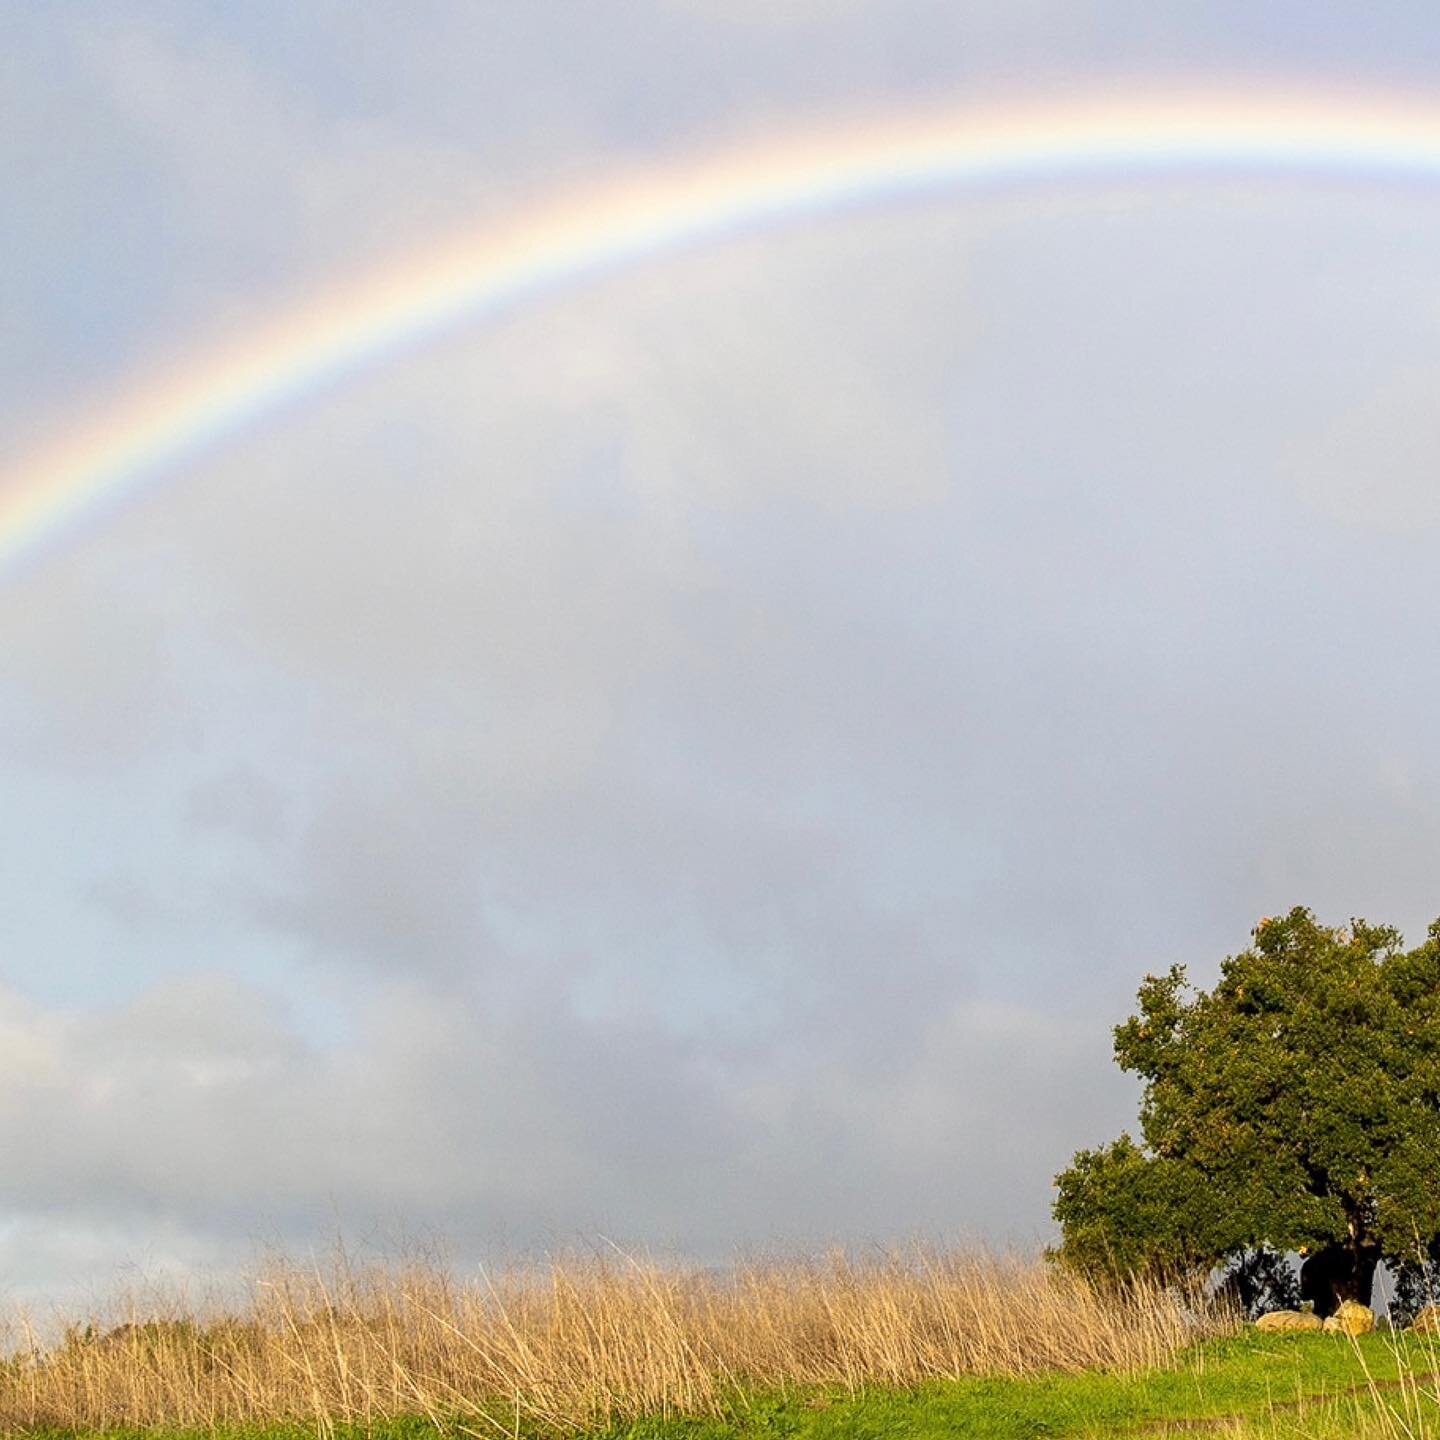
<point x="148" y="431"/>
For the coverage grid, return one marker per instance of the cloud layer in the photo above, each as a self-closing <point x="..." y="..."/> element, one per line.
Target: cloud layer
<point x="706" y="759"/>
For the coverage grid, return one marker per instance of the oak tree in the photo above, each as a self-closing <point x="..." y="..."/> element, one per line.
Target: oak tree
<point x="1293" y="1107"/>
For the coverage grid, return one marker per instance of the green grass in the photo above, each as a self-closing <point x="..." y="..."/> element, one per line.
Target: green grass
<point x="1259" y="1385"/>
<point x="1256" y="1378"/>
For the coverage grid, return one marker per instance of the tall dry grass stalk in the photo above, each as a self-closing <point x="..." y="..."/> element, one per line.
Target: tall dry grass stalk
<point x="577" y="1344"/>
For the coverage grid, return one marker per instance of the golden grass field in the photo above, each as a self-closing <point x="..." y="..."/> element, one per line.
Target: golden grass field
<point x="576" y="1344"/>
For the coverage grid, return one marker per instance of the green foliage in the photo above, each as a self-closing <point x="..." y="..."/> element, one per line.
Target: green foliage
<point x="1296" y="1106"/>
<point x="1123" y="1211"/>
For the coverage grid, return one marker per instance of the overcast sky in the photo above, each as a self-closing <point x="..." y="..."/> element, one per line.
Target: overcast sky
<point x="704" y="759"/>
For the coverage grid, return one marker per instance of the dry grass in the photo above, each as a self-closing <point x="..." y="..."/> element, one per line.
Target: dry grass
<point x="573" y="1345"/>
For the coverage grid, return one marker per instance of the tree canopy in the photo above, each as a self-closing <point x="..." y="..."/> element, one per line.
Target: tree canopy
<point x="1293" y="1107"/>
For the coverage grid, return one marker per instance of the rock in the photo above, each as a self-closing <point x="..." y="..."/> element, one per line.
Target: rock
<point x="1351" y="1319"/>
<point x="1427" y="1322"/>
<point x="1284" y="1322"/>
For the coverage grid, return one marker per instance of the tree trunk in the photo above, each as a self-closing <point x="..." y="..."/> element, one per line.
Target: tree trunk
<point x="1362" y="1283"/>
<point x="1338" y="1273"/>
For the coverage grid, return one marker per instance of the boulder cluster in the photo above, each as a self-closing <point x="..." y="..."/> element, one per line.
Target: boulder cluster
<point x="1350" y="1319"/>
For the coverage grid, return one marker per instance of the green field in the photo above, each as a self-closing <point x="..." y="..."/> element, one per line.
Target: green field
<point x="1305" y="1385"/>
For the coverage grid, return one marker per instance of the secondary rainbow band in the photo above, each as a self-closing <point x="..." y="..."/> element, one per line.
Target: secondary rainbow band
<point x="629" y="221"/>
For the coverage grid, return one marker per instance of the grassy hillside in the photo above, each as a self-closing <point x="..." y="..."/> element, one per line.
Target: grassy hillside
<point x="573" y="1348"/>
<point x="1266" y="1387"/>
<point x="915" y="1345"/>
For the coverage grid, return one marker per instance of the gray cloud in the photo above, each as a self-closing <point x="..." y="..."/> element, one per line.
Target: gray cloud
<point x="704" y="758"/>
<point x="198" y="1112"/>
<point x="1374" y="464"/>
